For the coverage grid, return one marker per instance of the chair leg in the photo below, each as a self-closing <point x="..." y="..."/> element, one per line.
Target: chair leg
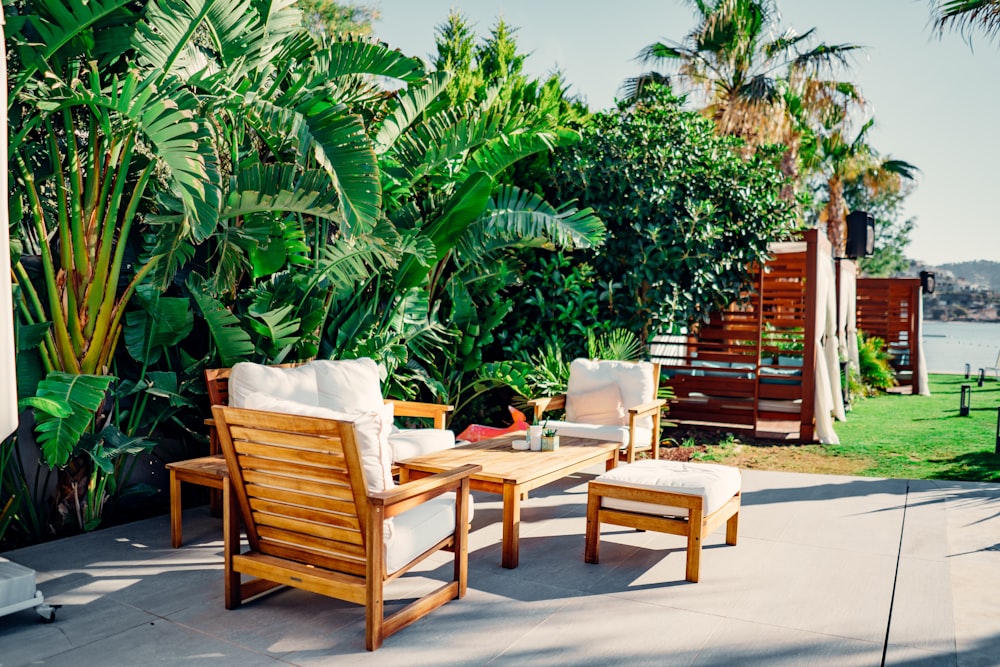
<point x="462" y="538"/>
<point x="592" y="542"/>
<point x="696" y="525"/>
<point x="231" y="537"/>
<point x="375" y="579"/>
<point x="732" y="527"/>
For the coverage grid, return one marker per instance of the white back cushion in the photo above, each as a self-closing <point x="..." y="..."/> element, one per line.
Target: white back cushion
<point x="597" y="406"/>
<point x="293" y="384"/>
<point x="348" y="384"/>
<point x="371" y="429"/>
<point x="634" y="380"/>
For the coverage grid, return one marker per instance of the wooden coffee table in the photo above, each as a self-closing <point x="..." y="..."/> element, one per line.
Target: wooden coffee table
<point x="511" y="473"/>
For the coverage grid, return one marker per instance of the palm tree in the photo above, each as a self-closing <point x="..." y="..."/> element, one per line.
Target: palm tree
<point x="966" y="15"/>
<point x="840" y="161"/>
<point x="742" y="65"/>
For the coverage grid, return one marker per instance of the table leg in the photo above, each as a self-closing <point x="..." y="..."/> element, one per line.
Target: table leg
<point x="511" y="524"/>
<point x="175" y="510"/>
<point x="611" y="463"/>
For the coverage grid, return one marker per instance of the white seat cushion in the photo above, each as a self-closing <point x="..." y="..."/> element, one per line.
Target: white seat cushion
<point x="409" y="442"/>
<point x="643" y="436"/>
<point x="715" y="483"/>
<point x="418" y="529"/>
<point x="293" y="384"/>
<point x="371" y="429"/>
<point x="17" y="583"/>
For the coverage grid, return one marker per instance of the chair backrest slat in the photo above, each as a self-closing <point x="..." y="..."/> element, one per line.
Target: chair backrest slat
<point x="299" y="485"/>
<point x="311" y="500"/>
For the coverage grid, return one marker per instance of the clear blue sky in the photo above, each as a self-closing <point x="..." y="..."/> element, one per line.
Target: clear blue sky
<point x="936" y="102"/>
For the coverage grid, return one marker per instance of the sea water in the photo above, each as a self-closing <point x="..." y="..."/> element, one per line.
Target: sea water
<point x="948" y="346"/>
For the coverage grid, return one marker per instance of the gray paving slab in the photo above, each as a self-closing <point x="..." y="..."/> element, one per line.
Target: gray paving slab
<point x="828" y="571"/>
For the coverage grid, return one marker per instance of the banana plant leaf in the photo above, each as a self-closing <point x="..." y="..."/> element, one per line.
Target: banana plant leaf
<point x="58" y="436"/>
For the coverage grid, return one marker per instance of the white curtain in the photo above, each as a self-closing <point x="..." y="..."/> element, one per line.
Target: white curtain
<point x="829" y="400"/>
<point x="922" y="385"/>
<point x="8" y="382"/>
<point x="847" y="305"/>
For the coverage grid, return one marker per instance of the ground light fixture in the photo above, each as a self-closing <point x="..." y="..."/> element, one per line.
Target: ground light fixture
<point x="996" y="450"/>
<point x="965" y="401"/>
<point x="968" y="369"/>
<point x="982" y="376"/>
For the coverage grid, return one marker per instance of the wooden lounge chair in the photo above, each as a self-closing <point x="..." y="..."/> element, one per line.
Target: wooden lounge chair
<point x="609" y="400"/>
<point x="302" y="487"/>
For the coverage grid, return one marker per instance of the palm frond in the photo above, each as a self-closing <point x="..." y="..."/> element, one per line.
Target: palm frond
<point x="357" y="55"/>
<point x="232" y="343"/>
<point x="280" y="188"/>
<point x="56" y="24"/>
<point x="521" y="214"/>
<point x="966" y="15"/>
<point x="632" y="89"/>
<point x="409" y="105"/>
<point x="342" y="148"/>
<point x="166" y="39"/>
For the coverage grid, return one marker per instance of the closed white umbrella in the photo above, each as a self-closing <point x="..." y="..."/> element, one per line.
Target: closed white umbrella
<point x="8" y="381"/>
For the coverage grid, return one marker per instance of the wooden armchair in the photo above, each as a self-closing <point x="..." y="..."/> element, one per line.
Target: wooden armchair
<point x="609" y="400"/>
<point x="301" y="486"/>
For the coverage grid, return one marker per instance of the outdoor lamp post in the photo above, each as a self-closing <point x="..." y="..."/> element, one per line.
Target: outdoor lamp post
<point x="982" y="376"/>
<point x="927" y="282"/>
<point x="965" y="400"/>
<point x="968" y="369"/>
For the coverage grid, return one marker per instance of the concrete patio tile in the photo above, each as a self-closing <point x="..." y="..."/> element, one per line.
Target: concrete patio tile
<point x="843" y="593"/>
<point x="909" y="656"/>
<point x="472" y="631"/>
<point x="926" y="521"/>
<point x="24" y="639"/>
<point x="159" y="641"/>
<point x="750" y="644"/>
<point x="626" y="632"/>
<point x="922" y="610"/>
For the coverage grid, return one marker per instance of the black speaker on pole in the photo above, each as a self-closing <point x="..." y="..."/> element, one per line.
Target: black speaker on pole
<point x="860" y="235"/>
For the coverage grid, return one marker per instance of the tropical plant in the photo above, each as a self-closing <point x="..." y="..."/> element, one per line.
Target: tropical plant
<point x="213" y="137"/>
<point x="445" y="151"/>
<point x="740" y="63"/>
<point x="874" y="364"/>
<point x="686" y="215"/>
<point x="966" y="15"/>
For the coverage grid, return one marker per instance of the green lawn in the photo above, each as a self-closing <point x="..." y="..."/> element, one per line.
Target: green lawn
<point x="911" y="437"/>
<point x="923" y="437"/>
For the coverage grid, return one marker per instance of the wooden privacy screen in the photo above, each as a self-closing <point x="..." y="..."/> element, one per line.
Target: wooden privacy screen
<point x="890" y="309"/>
<point x="751" y="367"/>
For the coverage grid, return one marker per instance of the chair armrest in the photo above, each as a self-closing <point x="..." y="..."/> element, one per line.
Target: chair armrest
<point x="436" y="411"/>
<point x="648" y="408"/>
<point x="546" y="403"/>
<point x="406" y="496"/>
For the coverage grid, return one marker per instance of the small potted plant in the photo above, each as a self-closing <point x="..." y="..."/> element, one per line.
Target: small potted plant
<point x="550" y="438"/>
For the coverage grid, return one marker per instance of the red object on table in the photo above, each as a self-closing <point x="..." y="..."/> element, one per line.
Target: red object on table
<point x="477" y="432"/>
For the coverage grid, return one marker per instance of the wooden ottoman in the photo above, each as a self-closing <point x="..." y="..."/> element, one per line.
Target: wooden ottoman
<point x="691" y="499"/>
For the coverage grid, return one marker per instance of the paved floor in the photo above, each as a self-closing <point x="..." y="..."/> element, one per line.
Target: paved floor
<point x="829" y="571"/>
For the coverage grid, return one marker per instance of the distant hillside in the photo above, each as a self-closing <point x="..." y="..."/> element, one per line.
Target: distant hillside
<point x="981" y="272"/>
